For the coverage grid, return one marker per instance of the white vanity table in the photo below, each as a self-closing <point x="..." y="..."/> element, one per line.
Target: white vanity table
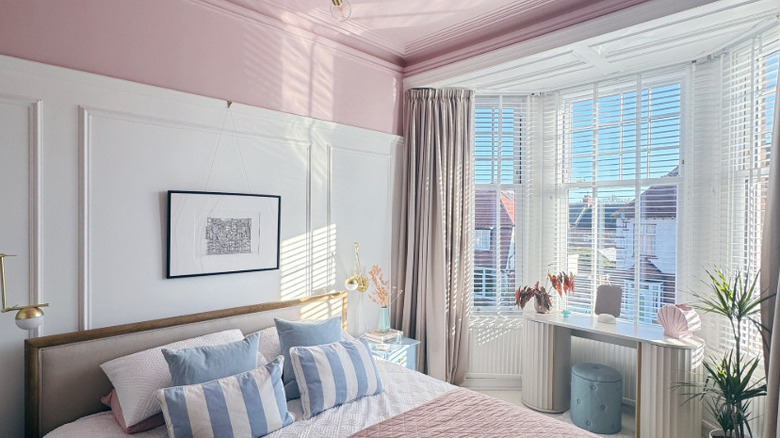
<point x="662" y="362"/>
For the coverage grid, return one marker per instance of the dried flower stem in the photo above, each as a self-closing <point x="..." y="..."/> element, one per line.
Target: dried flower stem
<point x="383" y="294"/>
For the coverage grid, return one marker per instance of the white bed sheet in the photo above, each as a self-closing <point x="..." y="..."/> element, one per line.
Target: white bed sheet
<point x="403" y="390"/>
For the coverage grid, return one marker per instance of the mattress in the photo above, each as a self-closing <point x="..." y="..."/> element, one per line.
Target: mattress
<point x="404" y="389"/>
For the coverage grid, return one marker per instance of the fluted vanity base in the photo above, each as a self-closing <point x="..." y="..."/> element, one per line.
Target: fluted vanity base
<point x="660" y="408"/>
<point x="662" y="365"/>
<point x="546" y="371"/>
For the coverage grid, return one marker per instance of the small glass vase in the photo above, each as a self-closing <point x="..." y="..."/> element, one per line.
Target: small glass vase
<point x="540" y="308"/>
<point x="384" y="320"/>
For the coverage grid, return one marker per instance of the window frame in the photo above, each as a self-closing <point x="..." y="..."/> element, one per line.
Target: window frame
<point x="502" y="299"/>
<point x="741" y="150"/>
<point x="665" y="77"/>
<point x="483" y="239"/>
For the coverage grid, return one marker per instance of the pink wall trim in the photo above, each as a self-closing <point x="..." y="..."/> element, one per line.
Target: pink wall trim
<point x="207" y="50"/>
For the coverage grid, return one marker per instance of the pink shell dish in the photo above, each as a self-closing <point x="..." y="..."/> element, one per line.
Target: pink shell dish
<point x="678" y="320"/>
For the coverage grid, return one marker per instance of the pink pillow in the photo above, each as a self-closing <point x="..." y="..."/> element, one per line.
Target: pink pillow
<point x="112" y="401"/>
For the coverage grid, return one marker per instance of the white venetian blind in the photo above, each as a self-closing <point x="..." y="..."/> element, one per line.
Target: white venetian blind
<point x="499" y="201"/>
<point x="749" y="77"/>
<point x="619" y="178"/>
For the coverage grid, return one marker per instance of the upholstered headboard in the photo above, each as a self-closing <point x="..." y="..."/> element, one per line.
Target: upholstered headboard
<point x="62" y="372"/>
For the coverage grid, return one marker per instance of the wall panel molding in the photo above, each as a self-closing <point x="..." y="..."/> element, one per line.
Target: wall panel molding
<point x="217" y="126"/>
<point x="34" y="238"/>
<point x="381" y="161"/>
<point x="36" y="208"/>
<point x="84" y="288"/>
<point x="87" y="119"/>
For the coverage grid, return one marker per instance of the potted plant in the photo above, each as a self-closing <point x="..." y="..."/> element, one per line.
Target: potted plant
<point x="730" y="383"/>
<point x="561" y="282"/>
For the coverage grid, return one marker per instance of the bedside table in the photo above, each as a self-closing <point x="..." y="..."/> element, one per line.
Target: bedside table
<point x="402" y="351"/>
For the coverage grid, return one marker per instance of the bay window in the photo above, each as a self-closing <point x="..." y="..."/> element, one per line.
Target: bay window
<point x="641" y="182"/>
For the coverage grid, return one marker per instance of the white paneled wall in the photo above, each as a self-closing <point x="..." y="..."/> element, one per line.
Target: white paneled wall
<point x="86" y="162"/>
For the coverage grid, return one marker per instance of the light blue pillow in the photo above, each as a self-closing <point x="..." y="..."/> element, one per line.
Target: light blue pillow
<point x="303" y="334"/>
<point x="189" y="366"/>
<point x="247" y="404"/>
<point x="333" y="374"/>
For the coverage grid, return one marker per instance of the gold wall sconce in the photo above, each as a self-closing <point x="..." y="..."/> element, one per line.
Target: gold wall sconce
<point x="27" y="317"/>
<point x="357" y="281"/>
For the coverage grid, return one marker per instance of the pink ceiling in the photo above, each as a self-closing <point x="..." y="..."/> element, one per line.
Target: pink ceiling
<point x="419" y="35"/>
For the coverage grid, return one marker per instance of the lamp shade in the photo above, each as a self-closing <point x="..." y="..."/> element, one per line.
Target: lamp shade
<point x="29" y="318"/>
<point x="351" y="283"/>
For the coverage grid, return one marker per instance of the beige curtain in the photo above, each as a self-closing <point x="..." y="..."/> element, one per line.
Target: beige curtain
<point x="434" y="239"/>
<point x="770" y="273"/>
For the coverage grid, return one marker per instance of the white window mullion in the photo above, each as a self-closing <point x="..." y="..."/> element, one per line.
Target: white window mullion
<point x="638" y="194"/>
<point x="497" y="211"/>
<point x="751" y="146"/>
<point x="594" y="265"/>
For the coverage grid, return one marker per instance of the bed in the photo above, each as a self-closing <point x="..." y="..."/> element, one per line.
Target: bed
<point x="64" y="384"/>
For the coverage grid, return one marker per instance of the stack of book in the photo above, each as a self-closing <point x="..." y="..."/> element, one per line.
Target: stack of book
<point x="388" y="336"/>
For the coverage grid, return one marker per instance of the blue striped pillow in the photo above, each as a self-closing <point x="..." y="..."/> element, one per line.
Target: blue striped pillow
<point x="333" y="374"/>
<point x="250" y="404"/>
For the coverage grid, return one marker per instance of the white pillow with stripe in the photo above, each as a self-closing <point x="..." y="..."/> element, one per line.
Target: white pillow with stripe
<point x="333" y="374"/>
<point x="250" y="404"/>
<point x="137" y="376"/>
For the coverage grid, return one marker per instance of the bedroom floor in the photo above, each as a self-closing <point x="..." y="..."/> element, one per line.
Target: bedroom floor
<point x="514" y="397"/>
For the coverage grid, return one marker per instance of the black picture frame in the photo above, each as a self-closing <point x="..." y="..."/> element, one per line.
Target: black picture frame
<point x="212" y="233"/>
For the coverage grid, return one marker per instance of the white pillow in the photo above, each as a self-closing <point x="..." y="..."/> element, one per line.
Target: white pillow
<point x="137" y="376"/>
<point x="269" y="346"/>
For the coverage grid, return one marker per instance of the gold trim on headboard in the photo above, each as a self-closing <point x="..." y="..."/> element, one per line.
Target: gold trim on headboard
<point x="32" y="346"/>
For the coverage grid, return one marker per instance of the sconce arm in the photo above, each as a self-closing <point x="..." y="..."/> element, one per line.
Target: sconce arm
<point x="31" y="306"/>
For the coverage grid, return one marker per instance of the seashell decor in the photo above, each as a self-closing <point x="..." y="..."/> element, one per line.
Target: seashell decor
<point x="678" y="320"/>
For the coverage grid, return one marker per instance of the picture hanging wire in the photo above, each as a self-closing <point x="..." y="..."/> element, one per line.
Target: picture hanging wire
<point x="238" y="146"/>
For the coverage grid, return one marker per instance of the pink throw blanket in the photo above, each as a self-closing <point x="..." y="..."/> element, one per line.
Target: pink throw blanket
<point x="465" y="413"/>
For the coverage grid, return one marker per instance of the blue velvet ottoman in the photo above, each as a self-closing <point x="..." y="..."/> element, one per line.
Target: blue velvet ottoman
<point x="596" y="397"/>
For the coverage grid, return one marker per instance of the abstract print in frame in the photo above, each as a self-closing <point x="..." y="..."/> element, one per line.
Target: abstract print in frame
<point x="220" y="233"/>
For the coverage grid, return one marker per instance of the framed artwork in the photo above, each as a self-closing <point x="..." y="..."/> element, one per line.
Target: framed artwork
<point x="219" y="233"/>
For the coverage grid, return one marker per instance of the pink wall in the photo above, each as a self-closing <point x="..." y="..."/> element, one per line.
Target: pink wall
<point x="208" y="50"/>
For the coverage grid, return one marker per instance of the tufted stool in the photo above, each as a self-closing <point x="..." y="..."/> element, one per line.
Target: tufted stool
<point x="596" y="398"/>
